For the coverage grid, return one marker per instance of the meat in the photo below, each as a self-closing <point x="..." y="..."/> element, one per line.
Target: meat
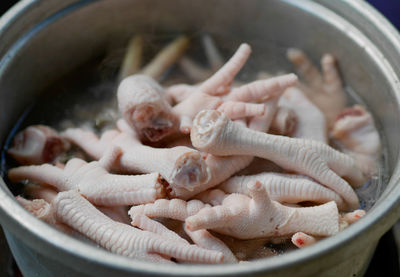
<point x="199" y="198"/>
<point x="37" y="144"/>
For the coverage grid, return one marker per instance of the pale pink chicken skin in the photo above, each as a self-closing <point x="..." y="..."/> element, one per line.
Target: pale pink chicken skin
<point x="302" y="240"/>
<point x="205" y="240"/>
<point x="174" y="209"/>
<point x="324" y="89"/>
<point x="73" y="210"/>
<point x="39" y="208"/>
<point x="243" y="217"/>
<point x="201" y="238"/>
<point x="241" y="104"/>
<point x="214" y="133"/>
<point x="284" y="188"/>
<point x="186" y="171"/>
<point x="47" y="193"/>
<point x="144" y="105"/>
<point x="37" y="144"/>
<point x="179" y="210"/>
<point x="355" y="132"/>
<point x="216" y="90"/>
<point x="43" y="211"/>
<point x="311" y="122"/>
<point x="182" y="167"/>
<point x="94" y="182"/>
<point x="146" y="224"/>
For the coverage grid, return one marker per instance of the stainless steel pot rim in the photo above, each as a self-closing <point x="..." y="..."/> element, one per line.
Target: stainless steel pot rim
<point x="33" y="231"/>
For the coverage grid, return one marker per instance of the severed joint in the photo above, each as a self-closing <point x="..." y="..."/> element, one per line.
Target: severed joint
<point x="285" y="122"/>
<point x="37" y="144"/>
<point x="144" y="106"/>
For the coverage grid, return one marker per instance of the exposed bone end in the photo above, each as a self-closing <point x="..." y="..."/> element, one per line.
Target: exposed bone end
<point x="38" y="207"/>
<point x="151" y="122"/>
<point x="145" y="108"/>
<point x="37" y="144"/>
<point x="207" y="128"/>
<point x="285" y="122"/>
<point x="302" y="240"/>
<point x="190" y="171"/>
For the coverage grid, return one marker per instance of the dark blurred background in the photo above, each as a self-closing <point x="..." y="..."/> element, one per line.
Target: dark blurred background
<point x="386" y="258"/>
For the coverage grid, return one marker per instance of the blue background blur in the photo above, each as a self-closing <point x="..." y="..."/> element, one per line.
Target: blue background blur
<point x="390" y="9"/>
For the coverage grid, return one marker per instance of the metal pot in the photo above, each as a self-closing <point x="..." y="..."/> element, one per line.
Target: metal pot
<point x="43" y="40"/>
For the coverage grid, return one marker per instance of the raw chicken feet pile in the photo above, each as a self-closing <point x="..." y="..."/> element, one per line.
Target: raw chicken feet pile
<point x="189" y="170"/>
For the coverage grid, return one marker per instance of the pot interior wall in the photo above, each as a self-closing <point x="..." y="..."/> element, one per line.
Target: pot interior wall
<point x="88" y="29"/>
